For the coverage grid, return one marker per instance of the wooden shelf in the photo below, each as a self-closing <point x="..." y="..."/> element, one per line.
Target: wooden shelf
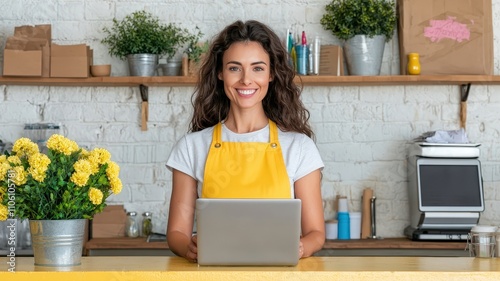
<point x="399" y="80"/>
<point x="114" y="81"/>
<point x="179" y="81"/>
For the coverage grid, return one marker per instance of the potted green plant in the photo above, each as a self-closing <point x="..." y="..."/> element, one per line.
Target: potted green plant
<point x="195" y="53"/>
<point x="142" y="39"/>
<point x="364" y="26"/>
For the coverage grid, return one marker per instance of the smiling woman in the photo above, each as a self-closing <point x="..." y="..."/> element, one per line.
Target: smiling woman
<point x="250" y="137"/>
<point x="246" y="76"/>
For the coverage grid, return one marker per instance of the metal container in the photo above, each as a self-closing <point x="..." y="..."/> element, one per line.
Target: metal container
<point x="142" y="64"/>
<point x="364" y="54"/>
<point x="39" y="133"/>
<point x="171" y="68"/>
<point x="57" y="242"/>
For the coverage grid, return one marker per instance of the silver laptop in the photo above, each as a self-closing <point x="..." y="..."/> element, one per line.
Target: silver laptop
<point x="260" y="232"/>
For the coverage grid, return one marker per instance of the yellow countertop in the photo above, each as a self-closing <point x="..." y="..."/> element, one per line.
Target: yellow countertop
<point x="313" y="268"/>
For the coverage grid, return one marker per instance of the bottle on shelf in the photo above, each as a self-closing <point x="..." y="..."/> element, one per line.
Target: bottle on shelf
<point x="413" y="64"/>
<point x="147" y="224"/>
<point x="132" y="228"/>
<point x="343" y="219"/>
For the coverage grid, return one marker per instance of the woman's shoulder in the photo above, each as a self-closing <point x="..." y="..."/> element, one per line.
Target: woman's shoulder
<point x="294" y="137"/>
<point x="205" y="134"/>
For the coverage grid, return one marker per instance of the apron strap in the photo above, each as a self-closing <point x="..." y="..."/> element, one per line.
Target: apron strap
<point x="273" y="132"/>
<point x="217" y="134"/>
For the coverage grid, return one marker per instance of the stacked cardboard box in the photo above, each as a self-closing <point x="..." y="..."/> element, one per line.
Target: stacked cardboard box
<point x="30" y="52"/>
<point x="110" y="222"/>
<point x="27" y="53"/>
<point x="70" y="60"/>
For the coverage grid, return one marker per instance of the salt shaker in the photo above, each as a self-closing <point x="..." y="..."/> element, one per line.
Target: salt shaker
<point x="147" y="224"/>
<point x="132" y="229"/>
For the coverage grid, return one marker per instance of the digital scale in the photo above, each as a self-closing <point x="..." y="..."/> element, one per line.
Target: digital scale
<point x="445" y="191"/>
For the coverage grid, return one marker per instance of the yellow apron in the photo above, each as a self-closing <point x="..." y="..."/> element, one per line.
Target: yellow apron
<point x="245" y="169"/>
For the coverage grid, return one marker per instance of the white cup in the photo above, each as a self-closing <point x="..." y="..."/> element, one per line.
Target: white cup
<point x="355" y="225"/>
<point x="331" y="229"/>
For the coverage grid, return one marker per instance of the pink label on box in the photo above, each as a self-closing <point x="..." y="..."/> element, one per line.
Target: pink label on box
<point x="449" y="28"/>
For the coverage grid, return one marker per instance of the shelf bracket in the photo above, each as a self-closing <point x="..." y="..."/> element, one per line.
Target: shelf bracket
<point x="464" y="95"/>
<point x="144" y="106"/>
<point x="464" y="92"/>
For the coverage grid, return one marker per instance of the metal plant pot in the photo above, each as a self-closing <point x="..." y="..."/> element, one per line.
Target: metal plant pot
<point x="171" y="68"/>
<point x="142" y="64"/>
<point x="364" y="54"/>
<point x="57" y="242"/>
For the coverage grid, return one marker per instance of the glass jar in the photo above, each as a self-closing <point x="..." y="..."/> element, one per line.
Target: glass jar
<point x="132" y="228"/>
<point x="147" y="223"/>
<point x="413" y="64"/>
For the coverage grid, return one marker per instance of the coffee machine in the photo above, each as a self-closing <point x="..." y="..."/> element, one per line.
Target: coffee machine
<point x="445" y="191"/>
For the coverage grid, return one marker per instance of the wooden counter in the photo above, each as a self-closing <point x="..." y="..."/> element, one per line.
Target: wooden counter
<point x="377" y="247"/>
<point x="314" y="268"/>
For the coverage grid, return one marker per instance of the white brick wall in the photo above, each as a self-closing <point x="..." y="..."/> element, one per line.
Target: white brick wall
<point x="362" y="132"/>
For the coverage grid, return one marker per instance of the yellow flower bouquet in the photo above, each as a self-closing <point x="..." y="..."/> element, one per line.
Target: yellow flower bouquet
<point x="66" y="183"/>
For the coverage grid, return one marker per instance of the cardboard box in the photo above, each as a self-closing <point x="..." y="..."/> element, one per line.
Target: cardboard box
<point x="110" y="222"/>
<point x="452" y="37"/>
<point x="72" y="61"/>
<point x="331" y="60"/>
<point x="22" y="63"/>
<point x="27" y="53"/>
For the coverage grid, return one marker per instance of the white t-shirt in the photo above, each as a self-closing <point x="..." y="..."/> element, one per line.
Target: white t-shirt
<point x="299" y="152"/>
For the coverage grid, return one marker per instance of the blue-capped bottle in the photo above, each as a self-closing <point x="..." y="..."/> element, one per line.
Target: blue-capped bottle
<point x="344" y="224"/>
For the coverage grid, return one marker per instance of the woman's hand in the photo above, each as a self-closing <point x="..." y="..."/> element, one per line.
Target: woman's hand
<point x="192" y="252"/>
<point x="301" y="250"/>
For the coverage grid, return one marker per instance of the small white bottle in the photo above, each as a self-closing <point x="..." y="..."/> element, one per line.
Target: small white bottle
<point x="316" y="55"/>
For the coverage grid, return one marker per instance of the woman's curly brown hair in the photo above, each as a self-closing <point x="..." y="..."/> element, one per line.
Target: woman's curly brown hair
<point x="282" y="102"/>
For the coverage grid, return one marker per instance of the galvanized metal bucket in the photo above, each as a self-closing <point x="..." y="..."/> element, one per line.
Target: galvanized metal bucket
<point x="57" y="242"/>
<point x="364" y="55"/>
<point x="142" y="64"/>
<point x="171" y="68"/>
